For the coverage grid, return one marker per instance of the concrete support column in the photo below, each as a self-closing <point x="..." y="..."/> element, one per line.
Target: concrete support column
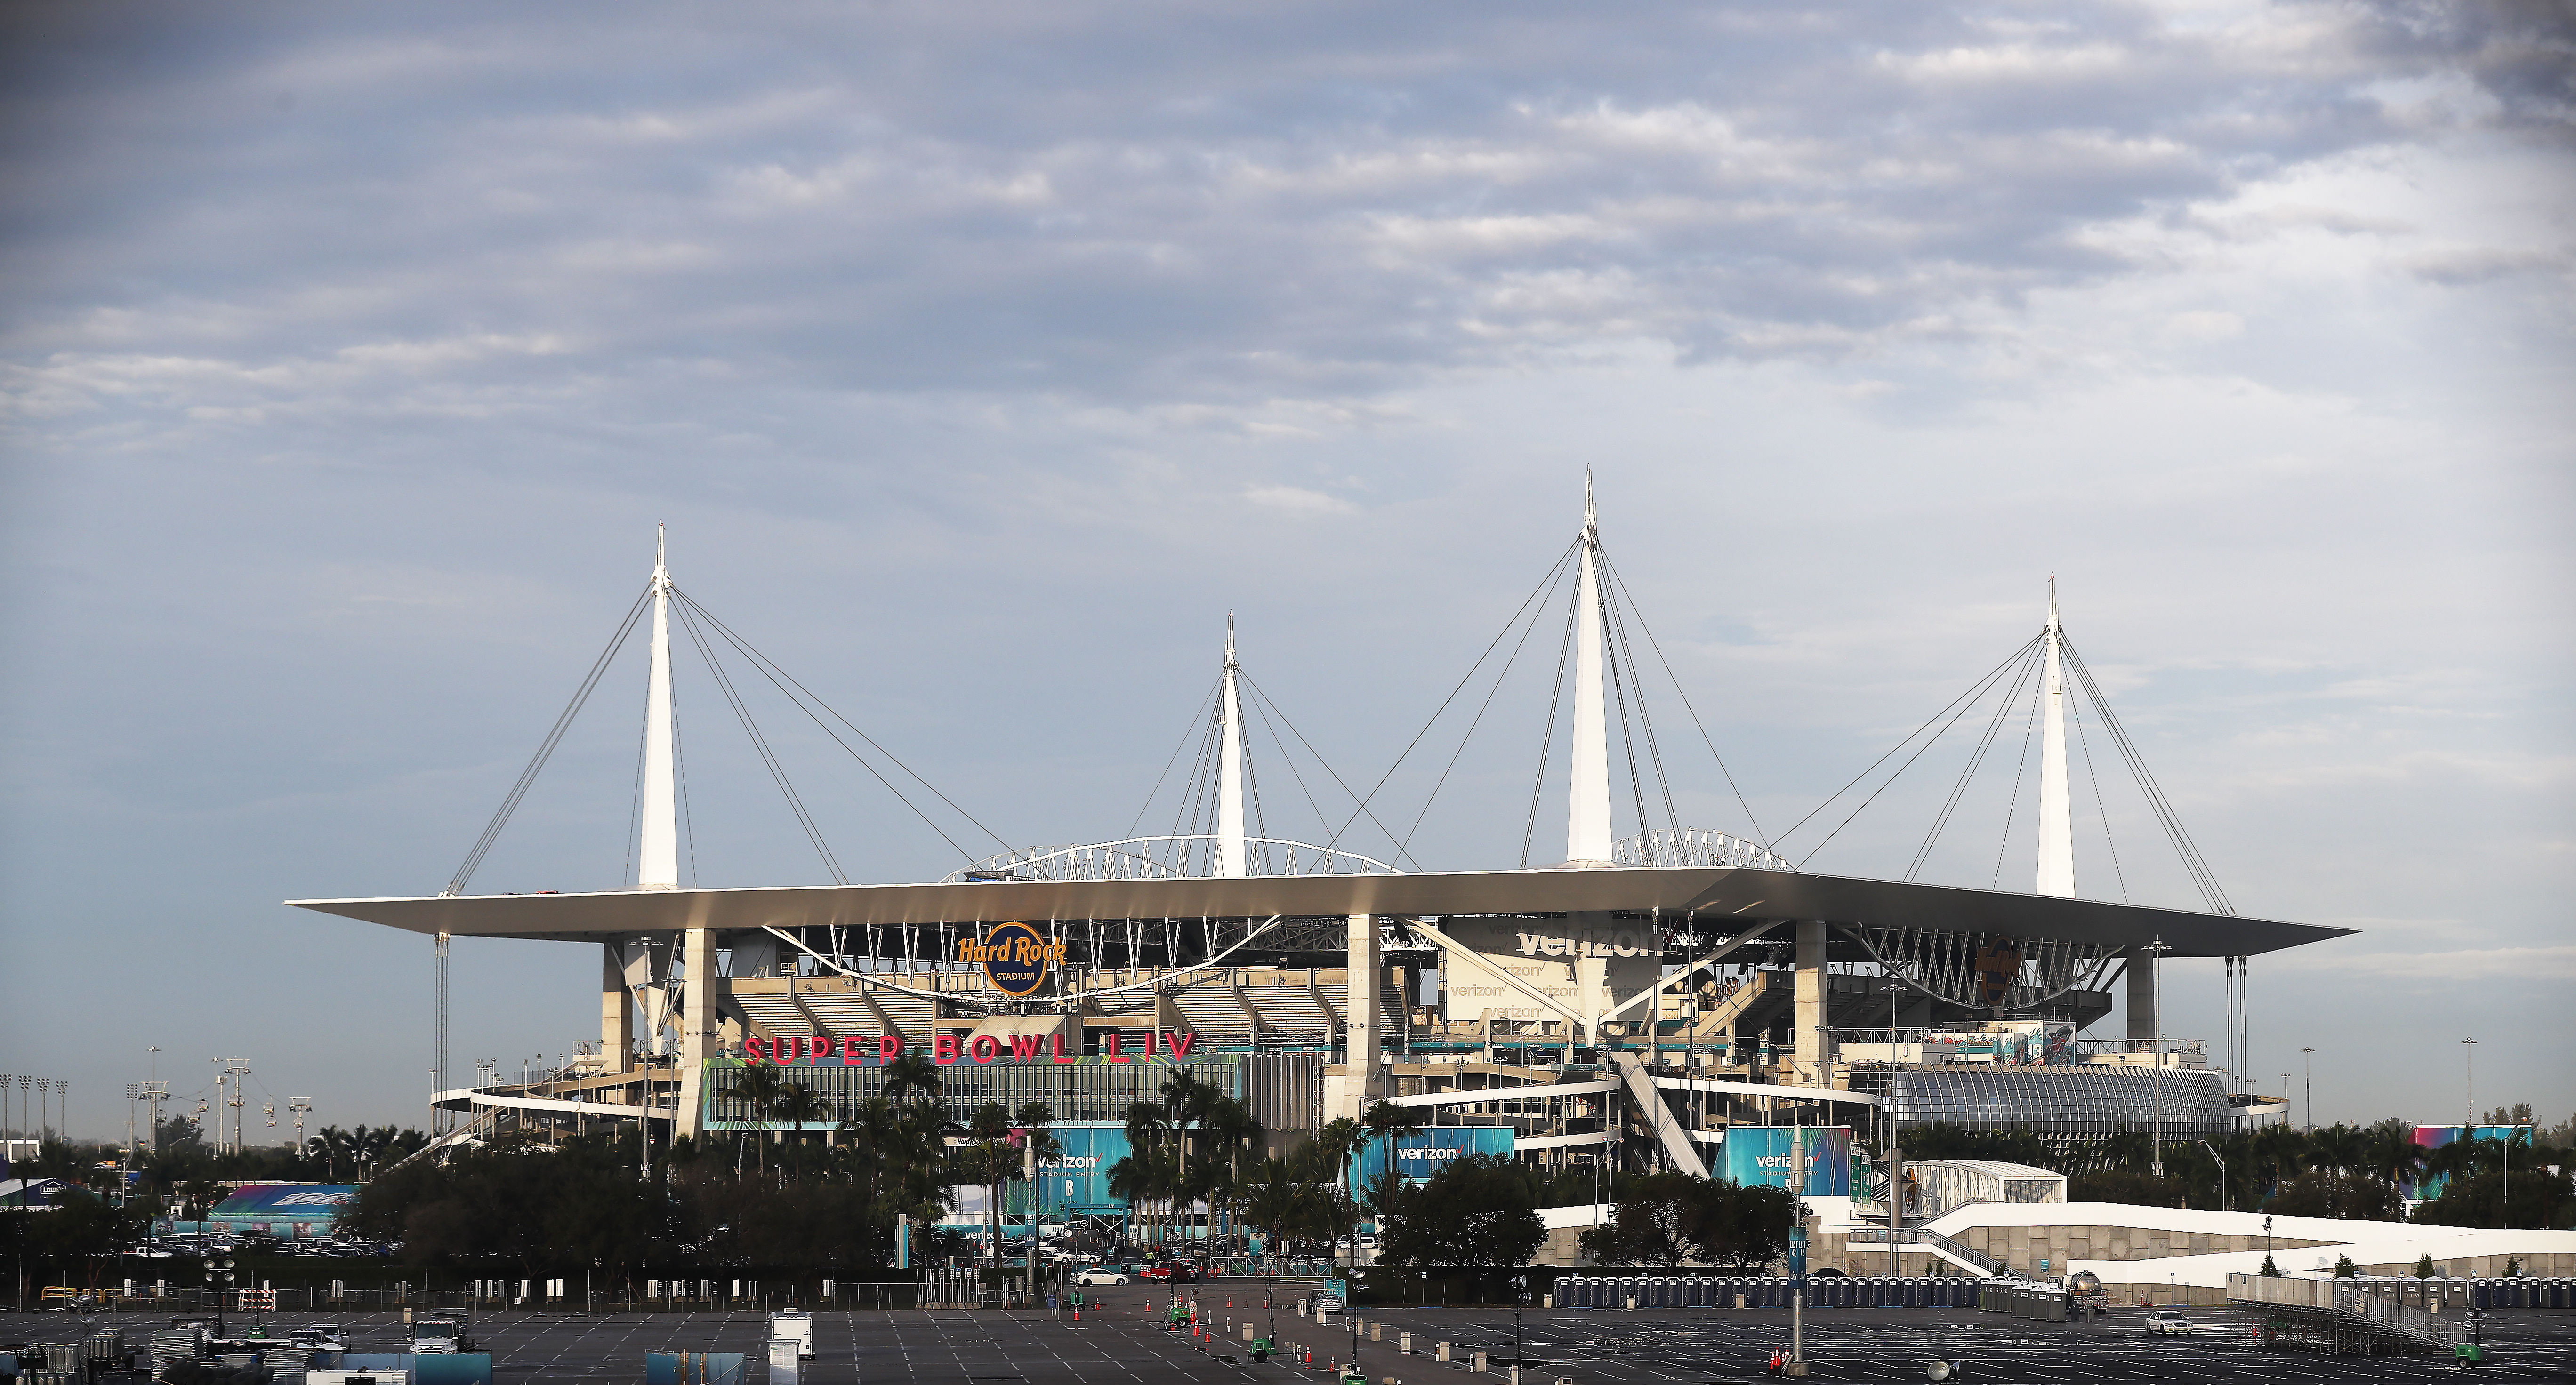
<point x="1811" y="1060"/>
<point x="2142" y="997"/>
<point x="698" y="1017"/>
<point x="616" y="1008"/>
<point x="1365" y="1025"/>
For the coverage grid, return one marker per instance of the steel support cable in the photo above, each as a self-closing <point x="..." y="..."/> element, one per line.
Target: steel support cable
<point x="1545" y="583"/>
<point x="1974" y="691"/>
<point x="1528" y="628"/>
<point x="545" y="749"/>
<point x="782" y="680"/>
<point x="2012" y="806"/>
<point x="1547" y="736"/>
<point x="2073" y="707"/>
<point x="760" y="745"/>
<point x="1252" y="789"/>
<point x="635" y="806"/>
<point x="1192" y="808"/>
<point x="1959" y="788"/>
<point x="1627" y="733"/>
<point x="1291" y="762"/>
<point x="1626" y="650"/>
<point x="680" y="781"/>
<point x="1197" y="720"/>
<point x="1963" y="706"/>
<point x="1327" y="767"/>
<point x="1630" y="602"/>
<point x="2167" y="815"/>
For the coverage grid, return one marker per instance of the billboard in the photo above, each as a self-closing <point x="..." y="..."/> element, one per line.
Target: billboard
<point x="1764" y="1154"/>
<point x="1078" y="1179"/>
<point x="2432" y="1137"/>
<point x="283" y="1208"/>
<point x="1613" y="958"/>
<point x="1420" y="1154"/>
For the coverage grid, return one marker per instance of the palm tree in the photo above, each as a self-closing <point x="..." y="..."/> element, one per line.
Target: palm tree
<point x="799" y="1105"/>
<point x="1148" y="1123"/>
<point x="2284" y="1148"/>
<point x="992" y="1161"/>
<point x="1231" y="1124"/>
<point x="913" y="1072"/>
<point x="757" y="1086"/>
<point x="1339" y="1143"/>
<point x="1277" y="1201"/>
<point x="2393" y="1154"/>
<point x="869" y="1133"/>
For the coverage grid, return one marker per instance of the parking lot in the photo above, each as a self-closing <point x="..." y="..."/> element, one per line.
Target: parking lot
<point x="1123" y="1341"/>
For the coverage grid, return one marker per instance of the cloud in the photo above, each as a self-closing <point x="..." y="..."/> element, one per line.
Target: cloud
<point x="1296" y="501"/>
<point x="2434" y="964"/>
<point x="1145" y="207"/>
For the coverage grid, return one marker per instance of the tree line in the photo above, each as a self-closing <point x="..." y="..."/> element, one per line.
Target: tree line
<point x="2351" y="1172"/>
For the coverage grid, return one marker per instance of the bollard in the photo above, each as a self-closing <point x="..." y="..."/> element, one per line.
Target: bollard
<point x="1373" y="1332"/>
<point x="1404" y="1344"/>
<point x="1632" y="1303"/>
<point x="1547" y="1300"/>
<point x="1247" y="1332"/>
<point x="1440" y="1351"/>
<point x="1476" y="1363"/>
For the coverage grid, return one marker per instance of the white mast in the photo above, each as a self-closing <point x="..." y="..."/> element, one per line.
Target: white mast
<point x="2056" y="820"/>
<point x="657" y="867"/>
<point x="1229" y="772"/>
<point x="1587" y="819"/>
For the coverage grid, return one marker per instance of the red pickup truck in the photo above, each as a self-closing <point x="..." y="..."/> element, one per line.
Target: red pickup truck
<point x="1169" y="1274"/>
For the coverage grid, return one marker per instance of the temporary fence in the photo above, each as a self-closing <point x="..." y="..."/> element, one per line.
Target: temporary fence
<point x="1749" y="1292"/>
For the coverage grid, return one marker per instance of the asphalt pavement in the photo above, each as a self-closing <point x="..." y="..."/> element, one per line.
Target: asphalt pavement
<point x="1124" y="1339"/>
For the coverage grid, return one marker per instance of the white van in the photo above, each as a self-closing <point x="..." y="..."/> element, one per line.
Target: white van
<point x="796" y="1324"/>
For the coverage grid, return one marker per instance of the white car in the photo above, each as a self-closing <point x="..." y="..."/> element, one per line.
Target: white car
<point x="1101" y="1277"/>
<point x="2166" y="1320"/>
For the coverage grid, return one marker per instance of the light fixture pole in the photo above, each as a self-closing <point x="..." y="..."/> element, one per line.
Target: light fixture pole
<point x="2156" y="950"/>
<point x="2308" y="1085"/>
<point x="1895" y="1152"/>
<point x="2469" y="1082"/>
<point x="2222" y="1173"/>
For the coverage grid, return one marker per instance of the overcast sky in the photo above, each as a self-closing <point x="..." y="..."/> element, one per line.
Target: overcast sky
<point x="982" y="358"/>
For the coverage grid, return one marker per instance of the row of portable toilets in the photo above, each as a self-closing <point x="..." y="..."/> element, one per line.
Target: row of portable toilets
<point x="1683" y="1291"/>
<point x="2522" y="1293"/>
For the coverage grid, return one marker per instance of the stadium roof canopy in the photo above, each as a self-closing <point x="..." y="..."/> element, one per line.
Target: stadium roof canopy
<point x="1712" y="893"/>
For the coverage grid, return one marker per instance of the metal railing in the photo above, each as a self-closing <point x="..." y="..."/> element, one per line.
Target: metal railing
<point x="1918" y="1236"/>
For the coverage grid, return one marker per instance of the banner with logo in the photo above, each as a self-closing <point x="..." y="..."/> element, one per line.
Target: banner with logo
<point x="1765" y="1154"/>
<point x="271" y="1206"/>
<point x="1419" y="1155"/>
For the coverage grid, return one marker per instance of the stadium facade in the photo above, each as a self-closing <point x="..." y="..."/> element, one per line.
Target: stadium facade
<point x="1635" y="1003"/>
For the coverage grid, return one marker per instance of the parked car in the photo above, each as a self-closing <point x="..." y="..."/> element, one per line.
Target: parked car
<point x="2165" y="1321"/>
<point x="1102" y="1275"/>
<point x="1328" y="1303"/>
<point x="1171" y="1273"/>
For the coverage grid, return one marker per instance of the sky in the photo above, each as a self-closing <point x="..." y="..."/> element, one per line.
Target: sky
<point x="981" y="359"/>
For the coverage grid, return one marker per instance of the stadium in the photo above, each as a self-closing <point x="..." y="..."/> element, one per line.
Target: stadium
<point x="1676" y="999"/>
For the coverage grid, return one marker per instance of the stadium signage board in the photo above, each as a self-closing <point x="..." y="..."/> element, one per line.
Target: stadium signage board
<point x="824" y="1050"/>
